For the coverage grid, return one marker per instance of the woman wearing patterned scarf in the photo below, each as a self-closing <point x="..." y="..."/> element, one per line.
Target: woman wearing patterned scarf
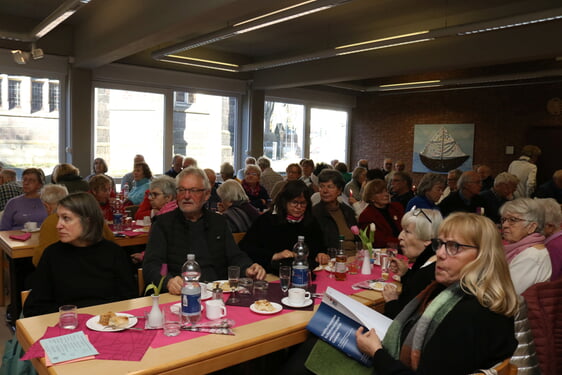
<point x="270" y="239"/>
<point x="463" y="321"/>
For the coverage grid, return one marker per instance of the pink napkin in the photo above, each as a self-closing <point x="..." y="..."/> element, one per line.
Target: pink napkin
<point x="127" y="345"/>
<point x="130" y="233"/>
<point x="21" y="237"/>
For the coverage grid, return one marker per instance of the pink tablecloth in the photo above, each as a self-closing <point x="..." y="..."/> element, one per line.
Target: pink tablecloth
<point x="127" y="345"/>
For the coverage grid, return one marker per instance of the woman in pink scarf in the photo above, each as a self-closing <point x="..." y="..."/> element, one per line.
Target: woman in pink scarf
<point x="529" y="263"/>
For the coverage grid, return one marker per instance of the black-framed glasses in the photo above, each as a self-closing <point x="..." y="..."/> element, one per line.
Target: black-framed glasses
<point x="418" y="211"/>
<point x="451" y="247"/>
<point x="152" y="195"/>
<point x="511" y="220"/>
<point x="298" y="203"/>
<point x="192" y="191"/>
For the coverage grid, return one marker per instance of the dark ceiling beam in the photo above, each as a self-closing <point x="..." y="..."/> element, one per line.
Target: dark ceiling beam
<point x="521" y="44"/>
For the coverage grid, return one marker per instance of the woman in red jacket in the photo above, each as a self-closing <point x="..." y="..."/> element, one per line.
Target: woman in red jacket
<point x="386" y="215"/>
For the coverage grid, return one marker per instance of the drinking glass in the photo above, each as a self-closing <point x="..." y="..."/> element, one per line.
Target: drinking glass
<point x="285" y="277"/>
<point x="171" y="323"/>
<point x="233" y="277"/>
<point x="332" y="254"/>
<point x="68" y="317"/>
<point x="260" y="289"/>
<point x="245" y="285"/>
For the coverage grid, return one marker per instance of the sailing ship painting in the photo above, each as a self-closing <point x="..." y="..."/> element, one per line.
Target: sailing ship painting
<point x="438" y="151"/>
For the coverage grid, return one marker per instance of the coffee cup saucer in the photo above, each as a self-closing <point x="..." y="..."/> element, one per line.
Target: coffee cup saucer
<point x="285" y="301"/>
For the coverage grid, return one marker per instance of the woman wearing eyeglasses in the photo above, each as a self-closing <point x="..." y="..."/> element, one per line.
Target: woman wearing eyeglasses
<point x="463" y="321"/>
<point x="522" y="223"/>
<point x="419" y="226"/>
<point x="159" y="198"/>
<point x="271" y="238"/>
<point x="385" y="214"/>
<point x="258" y="195"/>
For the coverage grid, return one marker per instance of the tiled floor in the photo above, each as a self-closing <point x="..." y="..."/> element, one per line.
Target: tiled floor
<point x="5" y="332"/>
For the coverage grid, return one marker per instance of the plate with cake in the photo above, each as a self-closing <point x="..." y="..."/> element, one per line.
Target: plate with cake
<point x="263" y="306"/>
<point x="111" y="322"/>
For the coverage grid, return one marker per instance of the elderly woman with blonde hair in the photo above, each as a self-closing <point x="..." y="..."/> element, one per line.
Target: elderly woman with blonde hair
<point x="522" y="223"/>
<point x="235" y="206"/>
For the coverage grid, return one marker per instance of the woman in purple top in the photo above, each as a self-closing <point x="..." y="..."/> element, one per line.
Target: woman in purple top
<point x="28" y="206"/>
<point x="553" y="233"/>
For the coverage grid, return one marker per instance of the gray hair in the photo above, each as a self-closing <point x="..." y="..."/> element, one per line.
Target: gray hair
<point x="165" y="183"/>
<point x="194" y="171"/>
<point x="528" y="208"/>
<point x="252" y="167"/>
<point x="227" y="169"/>
<point x="264" y="162"/>
<point x="552" y="211"/>
<point x="424" y="229"/>
<point x="52" y="194"/>
<point x="428" y="181"/>
<point x="8" y="174"/>
<point x="232" y="191"/>
<point x="506" y="178"/>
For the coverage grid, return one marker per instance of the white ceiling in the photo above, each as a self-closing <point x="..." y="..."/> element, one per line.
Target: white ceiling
<point x="129" y="31"/>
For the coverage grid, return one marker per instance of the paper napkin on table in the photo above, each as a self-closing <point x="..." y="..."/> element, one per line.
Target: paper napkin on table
<point x="21" y="237"/>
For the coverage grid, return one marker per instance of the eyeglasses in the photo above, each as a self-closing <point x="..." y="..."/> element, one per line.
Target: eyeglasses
<point x="192" y="191"/>
<point x="251" y="174"/>
<point x="418" y="211"/>
<point x="152" y="195"/>
<point x="511" y="220"/>
<point x="298" y="203"/>
<point x="451" y="247"/>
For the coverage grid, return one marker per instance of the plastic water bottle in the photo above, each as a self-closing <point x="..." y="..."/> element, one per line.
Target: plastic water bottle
<point x="125" y="190"/>
<point x="300" y="265"/>
<point x="191" y="291"/>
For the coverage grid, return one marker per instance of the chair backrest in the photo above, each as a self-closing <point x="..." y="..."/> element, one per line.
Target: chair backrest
<point x="140" y="281"/>
<point x="24" y="294"/>
<point x="132" y="210"/>
<point x="545" y="318"/>
<point x="238" y="236"/>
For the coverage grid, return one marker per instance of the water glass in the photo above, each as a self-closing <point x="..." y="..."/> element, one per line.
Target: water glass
<point x="68" y="317"/>
<point x="233" y="277"/>
<point x="260" y="289"/>
<point x="171" y="323"/>
<point x="285" y="277"/>
<point x="245" y="285"/>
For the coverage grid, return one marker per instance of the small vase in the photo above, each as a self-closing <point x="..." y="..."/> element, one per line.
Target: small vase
<point x="154" y="318"/>
<point x="366" y="266"/>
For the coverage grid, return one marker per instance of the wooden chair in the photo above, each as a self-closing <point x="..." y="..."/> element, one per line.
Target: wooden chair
<point x="504" y="368"/>
<point x="140" y="281"/>
<point x="238" y="236"/>
<point x="24" y="294"/>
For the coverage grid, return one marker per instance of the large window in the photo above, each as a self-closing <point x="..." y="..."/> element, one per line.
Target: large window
<point x="27" y="139"/>
<point x="127" y="123"/>
<point x="285" y="126"/>
<point x="283" y="131"/>
<point x="204" y="128"/>
<point x="328" y="134"/>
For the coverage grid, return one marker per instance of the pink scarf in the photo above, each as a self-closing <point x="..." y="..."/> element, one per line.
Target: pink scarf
<point x="513" y="249"/>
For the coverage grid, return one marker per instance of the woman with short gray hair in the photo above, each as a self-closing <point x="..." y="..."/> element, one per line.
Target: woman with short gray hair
<point x="529" y="262"/>
<point x="235" y="206"/>
<point x="419" y="227"/>
<point x="553" y="233"/>
<point x="429" y="192"/>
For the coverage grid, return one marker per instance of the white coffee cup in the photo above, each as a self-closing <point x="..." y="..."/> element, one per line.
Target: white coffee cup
<point x="30" y="226"/>
<point x="215" y="309"/>
<point x="297" y="296"/>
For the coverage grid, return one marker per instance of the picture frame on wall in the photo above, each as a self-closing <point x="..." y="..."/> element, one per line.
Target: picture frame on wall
<point x="439" y="148"/>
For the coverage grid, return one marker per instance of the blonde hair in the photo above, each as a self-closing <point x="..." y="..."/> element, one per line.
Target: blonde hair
<point x="487" y="277"/>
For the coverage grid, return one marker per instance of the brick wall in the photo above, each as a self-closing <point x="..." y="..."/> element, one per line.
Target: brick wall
<point x="383" y="125"/>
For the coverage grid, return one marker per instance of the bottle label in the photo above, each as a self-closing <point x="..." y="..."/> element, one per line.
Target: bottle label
<point x="191" y="304"/>
<point x="341" y="267"/>
<point x="300" y="277"/>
